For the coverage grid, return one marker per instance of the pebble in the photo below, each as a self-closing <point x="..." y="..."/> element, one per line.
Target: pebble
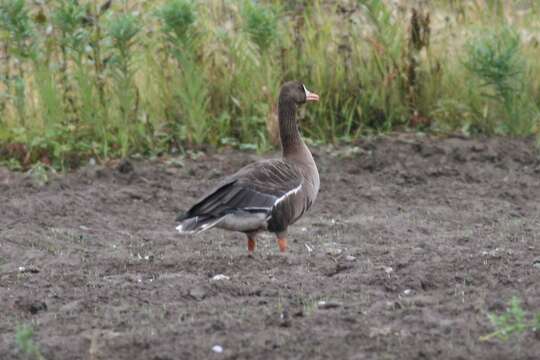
<point x="37" y="306"/>
<point x="149" y="257"/>
<point x="217" y="349"/>
<point x="31" y="270"/>
<point x="125" y="167"/>
<point x="176" y="162"/>
<point x="284" y="319"/>
<point x="198" y="293"/>
<point x="328" y="304"/>
<point x="220" y="277"/>
<point x="334" y="252"/>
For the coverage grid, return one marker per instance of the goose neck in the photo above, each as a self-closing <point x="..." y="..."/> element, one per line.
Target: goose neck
<point x="291" y="140"/>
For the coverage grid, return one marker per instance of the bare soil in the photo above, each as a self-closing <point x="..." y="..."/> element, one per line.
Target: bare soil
<point x="412" y="241"/>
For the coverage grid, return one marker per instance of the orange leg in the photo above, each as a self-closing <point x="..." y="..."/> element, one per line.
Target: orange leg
<point x="282" y="243"/>
<point x="251" y="245"/>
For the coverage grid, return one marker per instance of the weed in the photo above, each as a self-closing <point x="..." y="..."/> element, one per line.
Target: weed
<point x="122" y="30"/>
<point x="495" y="58"/>
<point x="260" y="23"/>
<point x="24" y="337"/>
<point x="189" y="87"/>
<point x="512" y="322"/>
<point x="15" y="22"/>
<point x="40" y="174"/>
<point x="178" y="17"/>
<point x="309" y="306"/>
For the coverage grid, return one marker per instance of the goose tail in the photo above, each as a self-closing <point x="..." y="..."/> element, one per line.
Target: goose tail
<point x="196" y="224"/>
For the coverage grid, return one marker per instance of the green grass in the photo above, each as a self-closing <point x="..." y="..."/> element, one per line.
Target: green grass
<point x="514" y="321"/>
<point x="24" y="338"/>
<point x="79" y="79"/>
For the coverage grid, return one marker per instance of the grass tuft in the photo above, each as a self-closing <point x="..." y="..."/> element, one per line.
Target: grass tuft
<point x="513" y="321"/>
<point x="24" y="338"/>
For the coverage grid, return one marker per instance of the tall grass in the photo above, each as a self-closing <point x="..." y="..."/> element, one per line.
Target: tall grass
<point x="86" y="79"/>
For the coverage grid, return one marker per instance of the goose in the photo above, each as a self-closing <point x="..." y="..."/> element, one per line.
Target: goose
<point x="267" y="195"/>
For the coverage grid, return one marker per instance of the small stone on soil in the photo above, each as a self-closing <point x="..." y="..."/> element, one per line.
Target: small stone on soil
<point x="32" y="306"/>
<point x="30" y="270"/>
<point x="220" y="277"/>
<point x="338" y="269"/>
<point x="407" y="292"/>
<point x="125" y="167"/>
<point x="176" y="162"/>
<point x="328" y="304"/>
<point x="149" y="257"/>
<point x="284" y="319"/>
<point x="382" y="331"/>
<point x="497" y="305"/>
<point x="334" y="252"/>
<point x="217" y="349"/>
<point x="198" y="293"/>
<point x="214" y="174"/>
<point x="37" y="307"/>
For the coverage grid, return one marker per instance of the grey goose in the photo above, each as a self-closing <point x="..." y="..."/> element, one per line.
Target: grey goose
<point x="268" y="195"/>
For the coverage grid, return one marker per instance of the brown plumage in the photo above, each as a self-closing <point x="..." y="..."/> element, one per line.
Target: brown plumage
<point x="268" y="195"/>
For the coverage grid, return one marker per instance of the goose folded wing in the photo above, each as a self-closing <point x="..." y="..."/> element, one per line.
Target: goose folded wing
<point x="256" y="188"/>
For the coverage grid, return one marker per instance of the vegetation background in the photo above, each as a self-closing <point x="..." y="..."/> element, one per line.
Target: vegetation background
<point x="103" y="79"/>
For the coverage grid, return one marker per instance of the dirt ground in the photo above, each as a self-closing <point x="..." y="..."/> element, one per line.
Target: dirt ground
<point x="411" y="243"/>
